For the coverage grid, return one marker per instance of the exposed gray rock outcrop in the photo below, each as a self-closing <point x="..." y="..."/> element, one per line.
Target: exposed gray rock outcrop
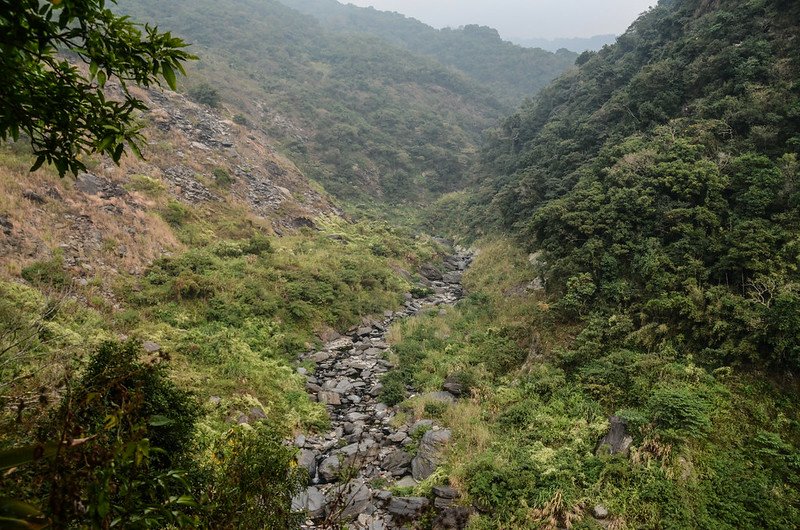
<point x="428" y="454"/>
<point x="617" y="441"/>
<point x="407" y="508"/>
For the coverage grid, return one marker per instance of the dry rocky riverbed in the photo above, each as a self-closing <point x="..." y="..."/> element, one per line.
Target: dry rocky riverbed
<point x="354" y="466"/>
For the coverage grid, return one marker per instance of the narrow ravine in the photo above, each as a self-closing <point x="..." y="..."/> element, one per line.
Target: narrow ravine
<point x="353" y="467"/>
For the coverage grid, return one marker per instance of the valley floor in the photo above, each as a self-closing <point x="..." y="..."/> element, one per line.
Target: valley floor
<point x="372" y="449"/>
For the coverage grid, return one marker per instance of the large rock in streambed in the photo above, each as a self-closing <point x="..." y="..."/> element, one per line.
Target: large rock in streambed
<point x="311" y="501"/>
<point x="407" y="508"/>
<point x="454" y="385"/>
<point x="347" y="501"/>
<point x="329" y="469"/>
<point x="430" y="272"/>
<point x="307" y="459"/>
<point x="329" y="398"/>
<point x="452" y="277"/>
<point x="445" y="496"/>
<point x="429" y="453"/>
<point x="397" y="462"/>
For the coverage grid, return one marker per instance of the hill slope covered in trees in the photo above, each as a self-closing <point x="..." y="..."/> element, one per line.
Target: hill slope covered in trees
<point x="363" y="117"/>
<point x="654" y="195"/>
<point x="663" y="175"/>
<point x="512" y="72"/>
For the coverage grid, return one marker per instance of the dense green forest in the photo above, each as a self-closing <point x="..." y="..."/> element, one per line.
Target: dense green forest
<point x="510" y="72"/>
<point x="657" y="189"/>
<point x="671" y="198"/>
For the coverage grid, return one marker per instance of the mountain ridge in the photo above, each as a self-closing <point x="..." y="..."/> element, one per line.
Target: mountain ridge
<point x="351" y="110"/>
<point x="513" y="72"/>
<point x="575" y="44"/>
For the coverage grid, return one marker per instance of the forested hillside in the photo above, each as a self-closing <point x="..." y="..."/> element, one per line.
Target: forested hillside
<point x="361" y="116"/>
<point x="511" y="72"/>
<point x="662" y="175"/>
<point x="576" y="44"/>
<point x="656" y="190"/>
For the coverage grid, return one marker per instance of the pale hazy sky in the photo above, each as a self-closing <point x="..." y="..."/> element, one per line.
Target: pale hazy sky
<point x="522" y="18"/>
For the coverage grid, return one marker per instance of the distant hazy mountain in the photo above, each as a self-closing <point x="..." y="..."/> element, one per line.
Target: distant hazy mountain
<point x="575" y="44"/>
<point x="512" y="72"/>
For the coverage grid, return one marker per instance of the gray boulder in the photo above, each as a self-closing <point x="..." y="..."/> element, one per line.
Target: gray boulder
<point x="600" y="512"/>
<point x="407" y="508"/>
<point x="420" y="424"/>
<point x="430" y="272"/>
<point x="428" y="454"/>
<point x="617" y="441"/>
<point x="307" y="459"/>
<point x="34" y="197"/>
<point x="6" y="225"/>
<point x="397" y="463"/>
<point x="454" y="386"/>
<point x="350" y="499"/>
<point x="406" y="482"/>
<point x="452" y="277"/>
<point x="445" y="496"/>
<point x="453" y="518"/>
<point x="329" y="469"/>
<point x="329" y="398"/>
<point x="257" y="414"/>
<point x="151" y="347"/>
<point x="446" y="492"/>
<point x="441" y="396"/>
<point x="311" y="501"/>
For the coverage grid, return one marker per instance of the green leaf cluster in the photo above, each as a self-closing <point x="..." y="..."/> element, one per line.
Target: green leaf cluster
<point x="62" y="111"/>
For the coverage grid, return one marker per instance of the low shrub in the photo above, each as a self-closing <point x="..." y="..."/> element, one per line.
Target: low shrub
<point x="130" y="426"/>
<point x="190" y="286"/>
<point x="680" y="412"/>
<point x="144" y="184"/>
<point x="47" y="273"/>
<point x="176" y="214"/>
<point x="257" y="245"/>
<point x="394" y="389"/>
<point x="435" y="409"/>
<point x="221" y="177"/>
<point x="254" y="480"/>
<point x="205" y="94"/>
<point x="497" y="352"/>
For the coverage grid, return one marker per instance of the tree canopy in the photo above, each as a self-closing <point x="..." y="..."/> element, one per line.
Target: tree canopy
<point x="61" y="107"/>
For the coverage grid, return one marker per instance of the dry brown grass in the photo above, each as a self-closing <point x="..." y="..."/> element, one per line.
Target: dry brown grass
<point x="556" y="514"/>
<point x="102" y="238"/>
<point x="470" y="430"/>
<point x="39" y="229"/>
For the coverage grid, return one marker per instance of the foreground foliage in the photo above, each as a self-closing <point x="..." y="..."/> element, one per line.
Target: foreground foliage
<point x="191" y="434"/>
<point x="63" y="112"/>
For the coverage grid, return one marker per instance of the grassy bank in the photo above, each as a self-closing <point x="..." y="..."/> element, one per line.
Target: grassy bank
<point x="713" y="446"/>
